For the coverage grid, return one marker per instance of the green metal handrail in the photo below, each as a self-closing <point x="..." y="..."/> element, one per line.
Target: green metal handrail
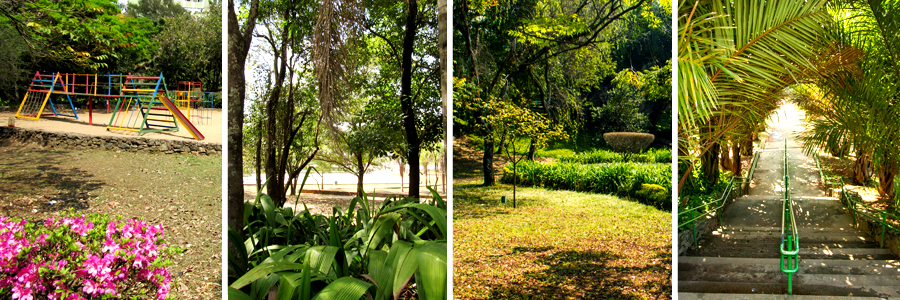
<point x="858" y="207"/>
<point x="689" y="217"/>
<point x="790" y="240"/>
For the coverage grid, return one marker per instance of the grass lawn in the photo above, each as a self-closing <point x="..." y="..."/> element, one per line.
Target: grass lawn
<point x="557" y="245"/>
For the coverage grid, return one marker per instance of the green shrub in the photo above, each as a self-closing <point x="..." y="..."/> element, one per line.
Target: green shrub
<point x="632" y="142"/>
<point x="610" y="178"/>
<point x="606" y="156"/>
<point x="655" y="195"/>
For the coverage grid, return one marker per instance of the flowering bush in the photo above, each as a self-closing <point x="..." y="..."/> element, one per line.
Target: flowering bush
<point x="82" y="258"/>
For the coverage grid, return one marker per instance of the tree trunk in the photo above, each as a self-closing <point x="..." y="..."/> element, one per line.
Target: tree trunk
<point x="860" y="169"/>
<point x="502" y="143"/>
<point x="531" y="150"/>
<point x="406" y="100"/>
<point x="442" y="48"/>
<point x="238" y="47"/>
<point x="402" y="170"/>
<point x="487" y="161"/>
<point x="747" y="146"/>
<point x="725" y="158"/>
<point x="709" y="162"/>
<point x="259" y="138"/>
<point x="886" y="181"/>
<point x="275" y="164"/>
<point x="360" y="173"/>
<point x="736" y="158"/>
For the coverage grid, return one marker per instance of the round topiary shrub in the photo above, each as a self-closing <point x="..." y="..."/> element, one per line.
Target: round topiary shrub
<point x="631" y="142"/>
<point x="655" y="195"/>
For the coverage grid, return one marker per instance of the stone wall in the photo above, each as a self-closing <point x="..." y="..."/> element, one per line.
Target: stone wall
<point x="79" y="141"/>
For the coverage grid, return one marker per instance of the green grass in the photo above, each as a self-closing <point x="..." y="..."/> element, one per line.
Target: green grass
<point x="616" y="249"/>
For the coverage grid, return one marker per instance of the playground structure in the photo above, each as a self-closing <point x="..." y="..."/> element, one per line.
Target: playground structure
<point x="141" y="103"/>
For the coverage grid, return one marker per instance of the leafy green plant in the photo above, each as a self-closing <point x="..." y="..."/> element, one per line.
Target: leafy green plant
<point x="610" y="178"/>
<point x="607" y="156"/>
<point x="361" y="252"/>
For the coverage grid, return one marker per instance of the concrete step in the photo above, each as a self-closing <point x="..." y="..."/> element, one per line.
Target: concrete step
<point x="799" y="288"/>
<point x="710" y="296"/>
<point x="849" y="280"/>
<point x="690" y="264"/>
<point x="848" y="254"/>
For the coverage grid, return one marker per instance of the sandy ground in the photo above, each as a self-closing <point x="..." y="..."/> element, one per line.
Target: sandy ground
<point x="381" y="183"/>
<point x="211" y="127"/>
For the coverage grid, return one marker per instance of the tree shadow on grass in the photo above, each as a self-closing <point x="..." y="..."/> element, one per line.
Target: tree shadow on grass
<point x="38" y="181"/>
<point x="588" y="275"/>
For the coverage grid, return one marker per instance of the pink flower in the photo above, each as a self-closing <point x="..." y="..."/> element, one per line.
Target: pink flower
<point x="90" y="287"/>
<point x="21" y="293"/>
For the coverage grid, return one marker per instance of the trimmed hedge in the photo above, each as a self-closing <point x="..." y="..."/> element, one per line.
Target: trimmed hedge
<point x="612" y="178"/>
<point x="607" y="156"/>
<point x="628" y="141"/>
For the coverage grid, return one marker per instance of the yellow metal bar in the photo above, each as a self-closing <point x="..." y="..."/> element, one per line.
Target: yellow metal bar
<point x="126" y="111"/>
<point x="161" y="120"/>
<point x="138" y="90"/>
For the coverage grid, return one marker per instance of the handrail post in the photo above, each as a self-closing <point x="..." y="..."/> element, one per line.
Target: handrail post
<point x="694" y="227"/>
<point x="883" y="225"/>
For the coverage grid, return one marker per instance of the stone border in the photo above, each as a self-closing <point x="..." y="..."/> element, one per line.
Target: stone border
<point x="80" y="141"/>
<point x="873" y="229"/>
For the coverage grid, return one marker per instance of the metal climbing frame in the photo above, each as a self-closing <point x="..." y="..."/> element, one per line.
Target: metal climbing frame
<point x="40" y="93"/>
<point x="139" y="110"/>
<point x="790" y="241"/>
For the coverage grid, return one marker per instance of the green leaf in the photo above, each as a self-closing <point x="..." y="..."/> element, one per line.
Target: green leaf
<point x="345" y="288"/>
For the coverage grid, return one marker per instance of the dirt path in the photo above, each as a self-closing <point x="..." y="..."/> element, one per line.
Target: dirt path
<point x="181" y="192"/>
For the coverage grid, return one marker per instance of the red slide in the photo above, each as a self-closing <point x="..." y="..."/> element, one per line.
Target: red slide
<point x="184" y="121"/>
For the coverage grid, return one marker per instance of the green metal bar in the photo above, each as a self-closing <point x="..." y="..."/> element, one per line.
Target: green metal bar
<point x="789" y="262"/>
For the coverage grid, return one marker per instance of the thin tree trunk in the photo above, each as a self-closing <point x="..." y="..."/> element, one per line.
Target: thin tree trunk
<point x="736" y="158"/>
<point x="238" y="47"/>
<point x="487" y="161"/>
<point x="531" y="150"/>
<point x="259" y="138"/>
<point x="360" y="172"/>
<point x="442" y="48"/>
<point x="402" y="170"/>
<point x="406" y="100"/>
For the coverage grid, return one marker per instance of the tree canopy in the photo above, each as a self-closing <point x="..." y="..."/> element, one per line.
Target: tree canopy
<point x="94" y="36"/>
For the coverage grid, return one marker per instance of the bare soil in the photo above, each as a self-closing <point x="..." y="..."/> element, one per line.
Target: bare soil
<point x="181" y="192"/>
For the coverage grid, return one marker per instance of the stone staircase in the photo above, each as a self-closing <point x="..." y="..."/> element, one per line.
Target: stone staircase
<point x="740" y="260"/>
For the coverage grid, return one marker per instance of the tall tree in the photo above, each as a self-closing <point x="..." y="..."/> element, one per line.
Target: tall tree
<point x="239" y="39"/>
